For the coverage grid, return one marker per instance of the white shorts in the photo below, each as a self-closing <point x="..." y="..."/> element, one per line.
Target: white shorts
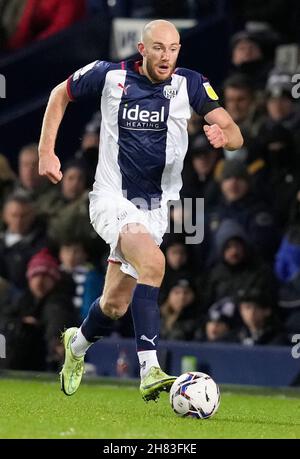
<point x="109" y="213"/>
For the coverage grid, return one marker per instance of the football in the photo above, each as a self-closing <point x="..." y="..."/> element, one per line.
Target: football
<point x="195" y="394"/>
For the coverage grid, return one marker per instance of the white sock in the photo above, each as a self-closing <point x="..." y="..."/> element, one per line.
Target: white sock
<point x="147" y="360"/>
<point x="79" y="344"/>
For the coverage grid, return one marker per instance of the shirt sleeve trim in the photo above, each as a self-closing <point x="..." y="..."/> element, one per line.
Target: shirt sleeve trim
<point x="69" y="91"/>
<point x="209" y="106"/>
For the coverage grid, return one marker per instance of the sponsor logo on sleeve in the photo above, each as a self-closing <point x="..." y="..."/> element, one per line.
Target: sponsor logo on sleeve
<point x="210" y="91"/>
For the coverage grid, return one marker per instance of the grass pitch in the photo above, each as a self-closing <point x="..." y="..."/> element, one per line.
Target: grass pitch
<point x="38" y="409"/>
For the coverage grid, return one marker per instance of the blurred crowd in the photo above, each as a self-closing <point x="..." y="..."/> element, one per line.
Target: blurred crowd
<point x="240" y="285"/>
<point x="25" y="21"/>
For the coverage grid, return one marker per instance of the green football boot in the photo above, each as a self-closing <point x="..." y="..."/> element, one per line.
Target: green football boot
<point x="155" y="382"/>
<point x="73" y="368"/>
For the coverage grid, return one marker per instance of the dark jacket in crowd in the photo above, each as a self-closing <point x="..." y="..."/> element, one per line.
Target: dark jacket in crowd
<point x="271" y="334"/>
<point x="280" y="174"/>
<point x="287" y="268"/>
<point x="184" y="326"/>
<point x="224" y="280"/>
<point x="32" y="346"/>
<point x="200" y="187"/>
<point x="170" y="279"/>
<point x="256" y="219"/>
<point x="14" y="259"/>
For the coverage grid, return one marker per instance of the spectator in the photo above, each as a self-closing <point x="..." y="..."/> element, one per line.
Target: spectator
<point x="198" y="177"/>
<point x="67" y="209"/>
<point x="34" y="324"/>
<point x="239" y="203"/>
<point x="260" y="323"/>
<point x="249" y="57"/>
<point x="24" y="235"/>
<point x="178" y="313"/>
<point x="7" y="296"/>
<point x="281" y="174"/>
<point x="194" y="126"/>
<point x="198" y="182"/>
<point x="7" y="180"/>
<point x="287" y="268"/>
<point x="251" y="155"/>
<point x="282" y="110"/>
<point x="237" y="268"/>
<point x="241" y="102"/>
<point x="87" y="279"/>
<point x="10" y="13"/>
<point x="71" y="193"/>
<point x="30" y="182"/>
<point x="219" y="323"/>
<point x="177" y="266"/>
<point x="246" y="48"/>
<point x="42" y="18"/>
<point x="282" y="14"/>
<point x="89" y="150"/>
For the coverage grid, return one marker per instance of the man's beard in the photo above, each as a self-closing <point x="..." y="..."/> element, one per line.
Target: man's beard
<point x="158" y="78"/>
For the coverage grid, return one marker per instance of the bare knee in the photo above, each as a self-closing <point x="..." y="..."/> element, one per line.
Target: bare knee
<point x="152" y="269"/>
<point x="115" y="308"/>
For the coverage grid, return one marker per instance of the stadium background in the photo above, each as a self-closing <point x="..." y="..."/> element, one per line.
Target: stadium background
<point x="230" y="306"/>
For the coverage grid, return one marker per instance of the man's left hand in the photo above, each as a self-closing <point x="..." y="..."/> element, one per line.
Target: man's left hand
<point x="215" y="135"/>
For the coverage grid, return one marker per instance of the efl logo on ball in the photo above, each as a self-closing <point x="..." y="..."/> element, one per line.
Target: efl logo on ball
<point x="195" y="394"/>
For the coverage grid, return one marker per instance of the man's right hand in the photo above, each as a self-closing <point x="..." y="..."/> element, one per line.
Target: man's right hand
<point x="49" y="166"/>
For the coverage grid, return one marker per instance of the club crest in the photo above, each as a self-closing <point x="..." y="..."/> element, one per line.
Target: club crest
<point x="170" y="92"/>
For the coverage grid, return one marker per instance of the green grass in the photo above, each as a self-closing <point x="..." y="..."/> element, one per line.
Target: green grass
<point x="38" y="409"/>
